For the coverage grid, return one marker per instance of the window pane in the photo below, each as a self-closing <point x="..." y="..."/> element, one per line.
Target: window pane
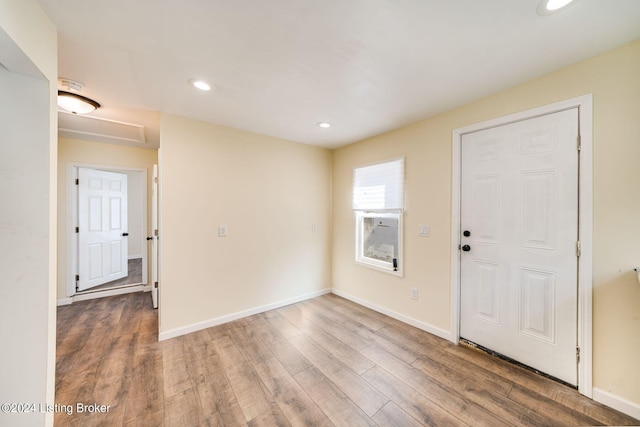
<point x="379" y="186"/>
<point x="380" y="238"/>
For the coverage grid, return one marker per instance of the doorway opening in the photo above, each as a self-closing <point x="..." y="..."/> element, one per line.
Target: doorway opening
<point x="134" y="266"/>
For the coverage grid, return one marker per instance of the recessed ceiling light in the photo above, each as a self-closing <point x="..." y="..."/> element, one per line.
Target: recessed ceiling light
<point x="324" y="125"/>
<point x="200" y="84"/>
<point x="547" y="7"/>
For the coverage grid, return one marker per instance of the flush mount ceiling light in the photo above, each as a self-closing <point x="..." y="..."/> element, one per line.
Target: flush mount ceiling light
<point x="324" y="125"/>
<point x="73" y="102"/>
<point x="76" y="104"/>
<point x="200" y="84"/>
<point x="547" y="7"/>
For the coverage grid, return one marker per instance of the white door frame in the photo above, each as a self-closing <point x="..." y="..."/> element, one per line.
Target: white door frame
<point x="72" y="214"/>
<point x="155" y="185"/>
<point x="585" y="218"/>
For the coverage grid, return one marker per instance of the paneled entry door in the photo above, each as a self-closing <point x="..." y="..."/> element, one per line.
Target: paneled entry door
<point x="519" y="251"/>
<point x="102" y="220"/>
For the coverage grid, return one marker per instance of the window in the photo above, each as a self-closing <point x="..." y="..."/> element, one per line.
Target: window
<point x="378" y="202"/>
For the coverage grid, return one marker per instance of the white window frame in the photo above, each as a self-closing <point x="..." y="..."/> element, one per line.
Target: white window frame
<point x="379" y="204"/>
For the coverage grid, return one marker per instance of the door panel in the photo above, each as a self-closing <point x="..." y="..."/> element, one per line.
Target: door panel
<point x="487" y="291"/>
<point x="95" y="261"/>
<point x="537" y="313"/>
<point x="95" y="213"/>
<point x="115" y="219"/>
<point x="115" y="254"/>
<point x="487" y="220"/>
<point x="519" y="274"/>
<point x="539" y="212"/>
<point x="102" y="221"/>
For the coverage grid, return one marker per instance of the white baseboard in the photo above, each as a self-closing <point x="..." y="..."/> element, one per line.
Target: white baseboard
<point x="611" y="400"/>
<point x="172" y="333"/>
<point x="401" y="317"/>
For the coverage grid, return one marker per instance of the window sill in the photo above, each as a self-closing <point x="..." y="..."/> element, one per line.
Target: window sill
<point x="373" y="266"/>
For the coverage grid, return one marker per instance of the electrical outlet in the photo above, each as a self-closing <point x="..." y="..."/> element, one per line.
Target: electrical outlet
<point x="222" y="231"/>
<point x="414" y="294"/>
<point x="314" y="228"/>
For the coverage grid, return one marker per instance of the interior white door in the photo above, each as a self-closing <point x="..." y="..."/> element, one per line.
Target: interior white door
<point x="154" y="237"/>
<point x="519" y="225"/>
<point x="102" y="221"/>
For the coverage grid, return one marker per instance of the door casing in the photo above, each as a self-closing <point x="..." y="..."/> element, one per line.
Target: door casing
<point x="585" y="213"/>
<point x="154" y="235"/>
<point x="71" y="216"/>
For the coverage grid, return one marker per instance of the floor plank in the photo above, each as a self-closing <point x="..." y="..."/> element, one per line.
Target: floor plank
<point x="336" y="405"/>
<point x="294" y="402"/>
<point x="365" y="396"/>
<point x="391" y="415"/>
<point x="244" y="381"/>
<point x="469" y="412"/>
<point x="409" y="400"/>
<point x="337" y="348"/>
<point x="325" y="361"/>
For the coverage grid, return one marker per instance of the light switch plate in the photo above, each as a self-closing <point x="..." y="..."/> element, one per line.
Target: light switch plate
<point x="222" y="231"/>
<point x="424" y="230"/>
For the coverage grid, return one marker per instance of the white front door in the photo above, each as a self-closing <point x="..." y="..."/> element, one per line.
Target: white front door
<point x="102" y="234"/>
<point x="519" y="225"/>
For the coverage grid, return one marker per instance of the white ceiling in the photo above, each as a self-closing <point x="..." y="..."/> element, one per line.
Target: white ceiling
<point x="281" y="66"/>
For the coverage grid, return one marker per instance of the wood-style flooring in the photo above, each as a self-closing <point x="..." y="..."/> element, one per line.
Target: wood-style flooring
<point x="325" y="361"/>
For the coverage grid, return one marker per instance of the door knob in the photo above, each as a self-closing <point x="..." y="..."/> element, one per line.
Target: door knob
<point x="149" y="238"/>
<point x="466" y="248"/>
<point x="125" y="234"/>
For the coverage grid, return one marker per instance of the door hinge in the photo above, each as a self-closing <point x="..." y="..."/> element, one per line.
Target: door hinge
<point x="155" y="233"/>
<point x="77" y="277"/>
<point x="578" y="248"/>
<point x="77" y="181"/>
<point x="155" y="285"/>
<point x="577" y="354"/>
<point x="155" y="179"/>
<point x="579" y="142"/>
<point x="77" y="229"/>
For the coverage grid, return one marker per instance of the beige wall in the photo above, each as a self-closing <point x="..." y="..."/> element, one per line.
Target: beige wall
<point x="28" y="50"/>
<point x="268" y="192"/>
<point x="613" y="79"/>
<point x="95" y="154"/>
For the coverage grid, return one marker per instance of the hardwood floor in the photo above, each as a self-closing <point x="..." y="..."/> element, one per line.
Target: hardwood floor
<point x="324" y="362"/>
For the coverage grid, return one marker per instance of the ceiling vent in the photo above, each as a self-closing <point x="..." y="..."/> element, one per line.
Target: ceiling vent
<point x="97" y="129"/>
